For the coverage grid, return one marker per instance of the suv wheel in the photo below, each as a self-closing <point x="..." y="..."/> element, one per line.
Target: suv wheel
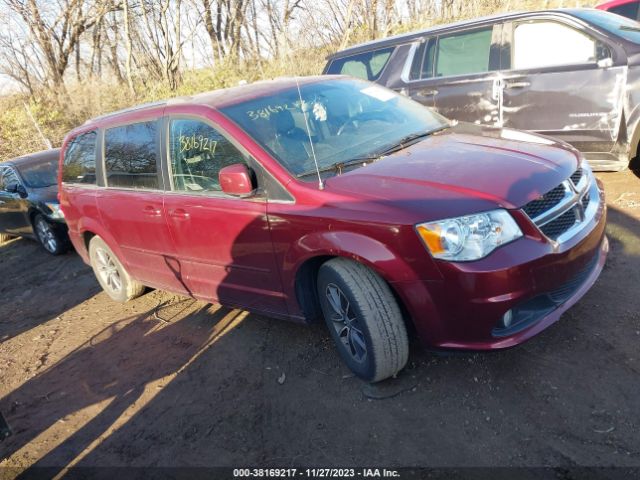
<point x="49" y="238"/>
<point x="111" y="274"/>
<point x="364" y="319"/>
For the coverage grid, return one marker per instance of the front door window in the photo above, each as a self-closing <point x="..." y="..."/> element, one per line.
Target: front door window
<point x="198" y="153"/>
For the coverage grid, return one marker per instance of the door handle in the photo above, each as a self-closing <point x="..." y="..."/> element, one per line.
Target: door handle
<point x="518" y="85"/>
<point x="427" y="93"/>
<point x="152" y="211"/>
<point x="180" y="214"/>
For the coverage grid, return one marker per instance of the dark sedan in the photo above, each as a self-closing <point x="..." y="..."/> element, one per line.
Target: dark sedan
<point x="29" y="201"/>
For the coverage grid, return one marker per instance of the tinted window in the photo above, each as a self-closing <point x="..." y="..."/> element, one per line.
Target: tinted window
<point x="198" y="152"/>
<point x="80" y="160"/>
<point x="629" y="10"/>
<point x="130" y="156"/>
<point x="464" y="53"/>
<point x="40" y="175"/>
<point x="623" y="27"/>
<point x="548" y="44"/>
<point x="367" y="65"/>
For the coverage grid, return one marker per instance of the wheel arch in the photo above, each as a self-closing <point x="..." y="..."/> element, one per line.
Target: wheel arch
<point x="314" y="250"/>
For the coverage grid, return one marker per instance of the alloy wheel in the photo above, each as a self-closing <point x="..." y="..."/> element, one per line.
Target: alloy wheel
<point x="345" y="323"/>
<point x="108" y="270"/>
<point x="46" y="235"/>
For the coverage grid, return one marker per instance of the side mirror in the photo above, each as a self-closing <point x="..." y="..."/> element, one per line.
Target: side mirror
<point x="237" y="180"/>
<point x="17" y="188"/>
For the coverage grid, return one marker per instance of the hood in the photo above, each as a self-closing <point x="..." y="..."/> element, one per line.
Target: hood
<point x="44" y="194"/>
<point x="464" y="169"/>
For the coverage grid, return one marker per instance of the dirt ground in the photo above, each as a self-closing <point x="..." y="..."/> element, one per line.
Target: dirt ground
<point x="169" y="381"/>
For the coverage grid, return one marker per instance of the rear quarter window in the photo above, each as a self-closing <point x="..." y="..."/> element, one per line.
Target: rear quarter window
<point x="366" y="65"/>
<point x="130" y="156"/>
<point x="79" y="165"/>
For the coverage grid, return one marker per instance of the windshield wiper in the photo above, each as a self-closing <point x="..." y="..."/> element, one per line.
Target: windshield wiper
<point x="401" y="144"/>
<point x="338" y="167"/>
<point x="408" y="140"/>
<point x="629" y="28"/>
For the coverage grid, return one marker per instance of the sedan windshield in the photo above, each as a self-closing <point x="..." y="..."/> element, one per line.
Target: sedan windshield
<point x="340" y="121"/>
<point x="621" y="26"/>
<point x="40" y="175"/>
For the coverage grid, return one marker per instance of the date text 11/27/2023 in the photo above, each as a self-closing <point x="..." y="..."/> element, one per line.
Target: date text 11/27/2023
<point x="315" y="473"/>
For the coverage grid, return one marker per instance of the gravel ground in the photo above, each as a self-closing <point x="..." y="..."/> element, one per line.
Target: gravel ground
<point x="170" y="381"/>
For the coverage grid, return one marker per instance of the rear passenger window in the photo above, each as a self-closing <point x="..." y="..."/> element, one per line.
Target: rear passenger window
<point x="464" y="53"/>
<point x="549" y="44"/>
<point x="79" y="164"/>
<point x="130" y="156"/>
<point x="367" y="65"/>
<point x="198" y="152"/>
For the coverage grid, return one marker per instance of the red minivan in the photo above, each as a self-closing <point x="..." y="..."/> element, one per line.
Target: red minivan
<point x="331" y="197"/>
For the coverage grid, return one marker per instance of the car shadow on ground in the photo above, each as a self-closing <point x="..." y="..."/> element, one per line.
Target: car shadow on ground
<point x="107" y="375"/>
<point x="31" y="275"/>
<point x="158" y="392"/>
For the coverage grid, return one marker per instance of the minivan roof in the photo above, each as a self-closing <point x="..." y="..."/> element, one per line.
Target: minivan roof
<point x="410" y="36"/>
<point x="216" y="98"/>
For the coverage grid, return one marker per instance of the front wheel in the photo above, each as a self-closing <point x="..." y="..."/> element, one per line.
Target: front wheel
<point x="111" y="274"/>
<point x="52" y="240"/>
<point x="364" y="319"/>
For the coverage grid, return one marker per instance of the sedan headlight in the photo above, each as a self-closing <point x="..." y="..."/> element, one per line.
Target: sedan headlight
<point x="56" y="212"/>
<point x="470" y="237"/>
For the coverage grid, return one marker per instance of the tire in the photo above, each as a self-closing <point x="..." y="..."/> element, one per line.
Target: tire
<point x="46" y="234"/>
<point x="374" y="342"/>
<point x="4" y="238"/>
<point x="111" y="274"/>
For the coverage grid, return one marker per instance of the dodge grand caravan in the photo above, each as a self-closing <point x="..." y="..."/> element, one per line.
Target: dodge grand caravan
<point x="337" y="198"/>
<point x="572" y="74"/>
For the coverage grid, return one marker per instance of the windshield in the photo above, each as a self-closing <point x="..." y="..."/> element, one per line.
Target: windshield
<point x="348" y="119"/>
<point x="621" y="26"/>
<point x="40" y="175"/>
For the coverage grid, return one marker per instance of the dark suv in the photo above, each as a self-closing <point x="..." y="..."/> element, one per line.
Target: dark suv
<point x="571" y="74"/>
<point x="29" y="201"/>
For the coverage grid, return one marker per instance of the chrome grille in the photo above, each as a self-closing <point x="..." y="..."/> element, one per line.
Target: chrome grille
<point x="576" y="176"/>
<point x="545" y="202"/>
<point x="560" y="211"/>
<point x="556" y="227"/>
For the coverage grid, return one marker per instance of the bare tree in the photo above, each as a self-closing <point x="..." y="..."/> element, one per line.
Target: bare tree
<point x="56" y="29"/>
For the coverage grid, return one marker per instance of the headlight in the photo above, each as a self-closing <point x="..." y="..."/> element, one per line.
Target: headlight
<point x="470" y="237"/>
<point x="56" y="212"/>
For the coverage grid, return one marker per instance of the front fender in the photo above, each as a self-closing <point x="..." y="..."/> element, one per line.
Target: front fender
<point x="394" y="268"/>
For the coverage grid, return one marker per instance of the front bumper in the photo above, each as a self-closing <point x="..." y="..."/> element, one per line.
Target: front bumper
<point x="536" y="278"/>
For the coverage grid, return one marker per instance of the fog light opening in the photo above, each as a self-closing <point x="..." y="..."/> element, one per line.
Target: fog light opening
<point x="507" y="319"/>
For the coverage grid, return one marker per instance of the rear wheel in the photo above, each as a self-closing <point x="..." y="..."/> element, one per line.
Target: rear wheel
<point x="364" y="319"/>
<point x="52" y="241"/>
<point x="111" y="274"/>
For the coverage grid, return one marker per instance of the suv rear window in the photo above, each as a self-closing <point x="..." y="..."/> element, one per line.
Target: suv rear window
<point x="130" y="156"/>
<point x="367" y="65"/>
<point x="79" y="164"/>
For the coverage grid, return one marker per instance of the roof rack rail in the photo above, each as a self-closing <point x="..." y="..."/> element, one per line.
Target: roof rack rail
<point x="127" y="110"/>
